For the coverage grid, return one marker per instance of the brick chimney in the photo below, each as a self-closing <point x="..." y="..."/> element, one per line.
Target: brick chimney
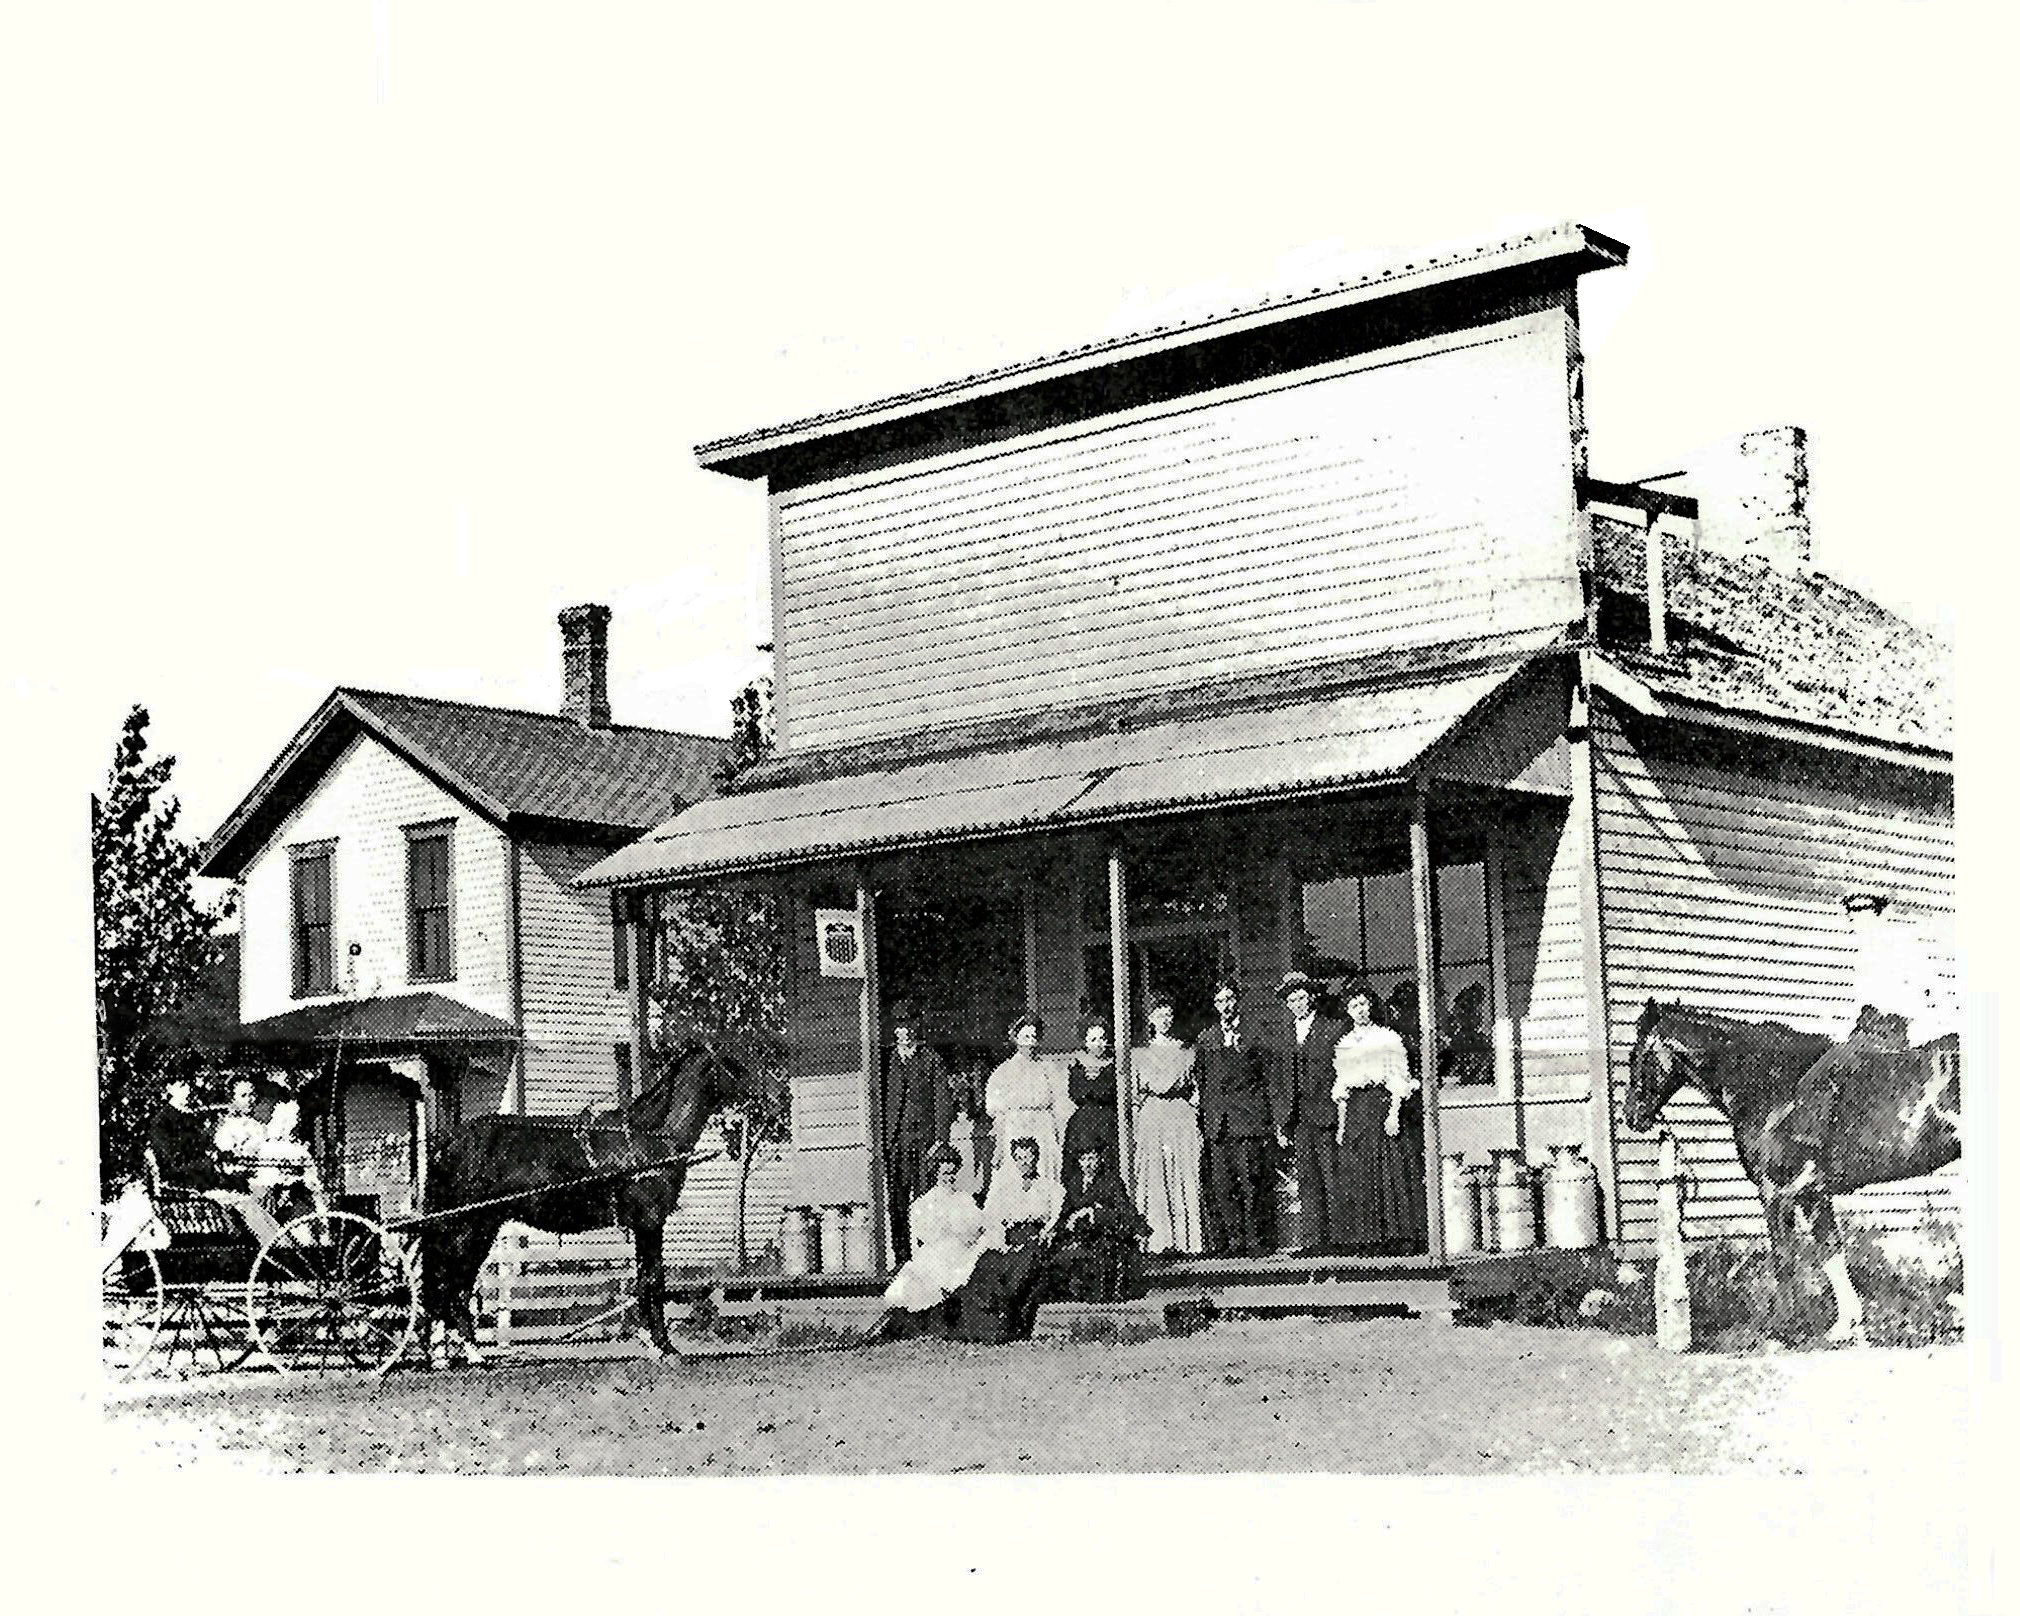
<point x="585" y="665"/>
<point x="1753" y="495"/>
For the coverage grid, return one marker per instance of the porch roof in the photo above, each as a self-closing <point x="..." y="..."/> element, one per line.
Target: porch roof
<point x="1346" y="740"/>
<point x="399" y="1018"/>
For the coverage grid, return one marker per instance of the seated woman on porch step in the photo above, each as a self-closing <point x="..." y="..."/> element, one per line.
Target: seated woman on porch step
<point x="1000" y="1300"/>
<point x="1098" y="1253"/>
<point x="947" y="1235"/>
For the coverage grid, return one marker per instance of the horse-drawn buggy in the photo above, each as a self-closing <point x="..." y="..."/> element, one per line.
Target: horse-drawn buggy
<point x="202" y="1278"/>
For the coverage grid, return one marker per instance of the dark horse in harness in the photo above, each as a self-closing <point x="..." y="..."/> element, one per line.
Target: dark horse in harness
<point x="1811" y="1118"/>
<point x="509" y="1162"/>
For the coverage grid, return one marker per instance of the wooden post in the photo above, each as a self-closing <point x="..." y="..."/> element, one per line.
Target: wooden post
<point x="1591" y="917"/>
<point x="640" y="905"/>
<point x="1421" y="899"/>
<point x="1028" y="902"/>
<point x="1672" y="1271"/>
<point x="1125" y="1077"/>
<point x="871" y="1027"/>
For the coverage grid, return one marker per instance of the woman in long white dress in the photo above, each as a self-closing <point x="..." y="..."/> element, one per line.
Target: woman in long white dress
<point x="1167" y="1136"/>
<point x="1025" y="1100"/>
<point x="947" y="1237"/>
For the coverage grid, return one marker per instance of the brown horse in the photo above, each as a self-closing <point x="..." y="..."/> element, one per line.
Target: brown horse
<point x="1811" y="1118"/>
<point x="501" y="1159"/>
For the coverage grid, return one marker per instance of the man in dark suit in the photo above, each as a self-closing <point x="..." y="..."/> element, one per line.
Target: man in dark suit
<point x="1301" y="1104"/>
<point x="1234" y="1122"/>
<point x="918" y="1110"/>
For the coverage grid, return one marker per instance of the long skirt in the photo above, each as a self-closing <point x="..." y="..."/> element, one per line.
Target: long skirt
<point x="1383" y="1179"/>
<point x="1102" y="1267"/>
<point x="1000" y="1300"/>
<point x="933" y="1274"/>
<point x="1167" y="1173"/>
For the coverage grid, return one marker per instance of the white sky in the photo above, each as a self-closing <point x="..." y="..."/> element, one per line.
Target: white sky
<point x="360" y="339"/>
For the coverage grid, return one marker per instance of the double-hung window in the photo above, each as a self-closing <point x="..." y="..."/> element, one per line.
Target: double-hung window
<point x="314" y="962"/>
<point x="431" y="922"/>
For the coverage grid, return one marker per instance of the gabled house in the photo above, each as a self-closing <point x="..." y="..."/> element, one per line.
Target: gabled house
<point x="410" y="919"/>
<point x="1302" y="636"/>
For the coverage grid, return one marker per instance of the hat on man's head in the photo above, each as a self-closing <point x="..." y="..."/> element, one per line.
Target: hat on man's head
<point x="1293" y="982"/>
<point x="905" y="1014"/>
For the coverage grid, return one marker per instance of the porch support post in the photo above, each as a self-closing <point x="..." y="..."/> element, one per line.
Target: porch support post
<point x="1598" y="1021"/>
<point x="1027" y="894"/>
<point x="1427" y="1011"/>
<point x="638" y="907"/>
<point x="1125" y="1077"/>
<point x="871" y="1027"/>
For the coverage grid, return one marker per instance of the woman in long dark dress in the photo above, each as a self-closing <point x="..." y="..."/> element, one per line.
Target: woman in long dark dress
<point x="1000" y="1300"/>
<point x="1379" y="1132"/>
<point x="1090" y="1085"/>
<point x="1098" y="1253"/>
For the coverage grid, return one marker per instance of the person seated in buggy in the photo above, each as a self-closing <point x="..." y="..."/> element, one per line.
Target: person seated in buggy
<point x="240" y="1131"/>
<point x="285" y="1175"/>
<point x="185" y="1158"/>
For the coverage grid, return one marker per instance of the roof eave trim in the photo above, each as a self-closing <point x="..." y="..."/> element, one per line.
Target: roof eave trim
<point x="223" y="860"/>
<point x="743" y="454"/>
<point x="1692" y="710"/>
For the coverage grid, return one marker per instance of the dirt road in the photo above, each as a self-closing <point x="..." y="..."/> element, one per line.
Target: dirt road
<point x="1383" y="1398"/>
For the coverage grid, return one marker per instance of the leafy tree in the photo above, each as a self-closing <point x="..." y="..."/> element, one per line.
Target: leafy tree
<point x="719" y="974"/>
<point x="154" y="942"/>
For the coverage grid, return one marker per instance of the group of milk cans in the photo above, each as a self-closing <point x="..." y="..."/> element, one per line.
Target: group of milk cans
<point x="1508" y="1205"/>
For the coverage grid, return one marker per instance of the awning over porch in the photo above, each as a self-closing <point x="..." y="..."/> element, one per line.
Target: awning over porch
<point x="1364" y="738"/>
<point x="399" y="1018"/>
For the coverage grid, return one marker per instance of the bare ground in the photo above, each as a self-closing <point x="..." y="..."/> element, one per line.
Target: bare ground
<point x="1380" y="1398"/>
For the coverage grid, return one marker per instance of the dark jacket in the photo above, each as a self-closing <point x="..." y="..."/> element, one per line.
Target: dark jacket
<point x="918" y="1098"/>
<point x="184" y="1152"/>
<point x="1301" y="1076"/>
<point x="1234" y="1096"/>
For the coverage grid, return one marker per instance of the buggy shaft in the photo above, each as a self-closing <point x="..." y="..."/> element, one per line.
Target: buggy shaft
<point x="521" y="1197"/>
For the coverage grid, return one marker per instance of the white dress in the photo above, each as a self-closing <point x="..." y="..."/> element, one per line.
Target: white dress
<point x="1167" y="1147"/>
<point x="947" y="1231"/>
<point x="1025" y="1100"/>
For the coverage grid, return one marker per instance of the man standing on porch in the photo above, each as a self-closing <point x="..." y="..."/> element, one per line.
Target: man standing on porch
<point x="1301" y="1098"/>
<point x="918" y="1111"/>
<point x="1234" y="1122"/>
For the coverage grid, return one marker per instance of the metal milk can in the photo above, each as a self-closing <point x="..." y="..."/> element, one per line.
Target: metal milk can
<point x="1570" y="1200"/>
<point x="834" y="1239"/>
<point x="1462" y="1207"/>
<point x="802" y="1242"/>
<point x="1514" y="1202"/>
<point x="855" y="1257"/>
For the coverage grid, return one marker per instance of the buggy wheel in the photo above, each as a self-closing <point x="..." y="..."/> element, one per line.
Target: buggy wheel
<point x="130" y="1311"/>
<point x="203" y="1330"/>
<point x="333" y="1291"/>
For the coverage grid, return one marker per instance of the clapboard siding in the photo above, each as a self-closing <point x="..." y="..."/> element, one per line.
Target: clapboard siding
<point x="1722" y="885"/>
<point x="1544" y="936"/>
<point x="1403" y="499"/>
<point x="830" y="1159"/>
<point x="574" y="1013"/>
<point x="702" y="1233"/>
<point x="362" y="804"/>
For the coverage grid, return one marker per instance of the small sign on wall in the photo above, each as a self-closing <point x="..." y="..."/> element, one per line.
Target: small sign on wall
<point x="839" y="935"/>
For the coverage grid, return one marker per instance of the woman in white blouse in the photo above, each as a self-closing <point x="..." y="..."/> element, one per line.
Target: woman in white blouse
<point x="1025" y="1100"/>
<point x="1167" y="1135"/>
<point x="947" y="1235"/>
<point x="1378" y="1131"/>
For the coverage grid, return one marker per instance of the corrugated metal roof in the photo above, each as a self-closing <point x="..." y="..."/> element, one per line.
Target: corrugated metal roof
<point x="1345" y="740"/>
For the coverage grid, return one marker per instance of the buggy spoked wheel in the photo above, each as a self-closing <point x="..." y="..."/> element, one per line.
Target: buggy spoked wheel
<point x="130" y="1311"/>
<point x="203" y="1330"/>
<point x="330" y="1292"/>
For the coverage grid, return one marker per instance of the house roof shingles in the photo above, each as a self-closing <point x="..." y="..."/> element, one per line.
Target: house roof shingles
<point x="506" y="763"/>
<point x="1750" y="637"/>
